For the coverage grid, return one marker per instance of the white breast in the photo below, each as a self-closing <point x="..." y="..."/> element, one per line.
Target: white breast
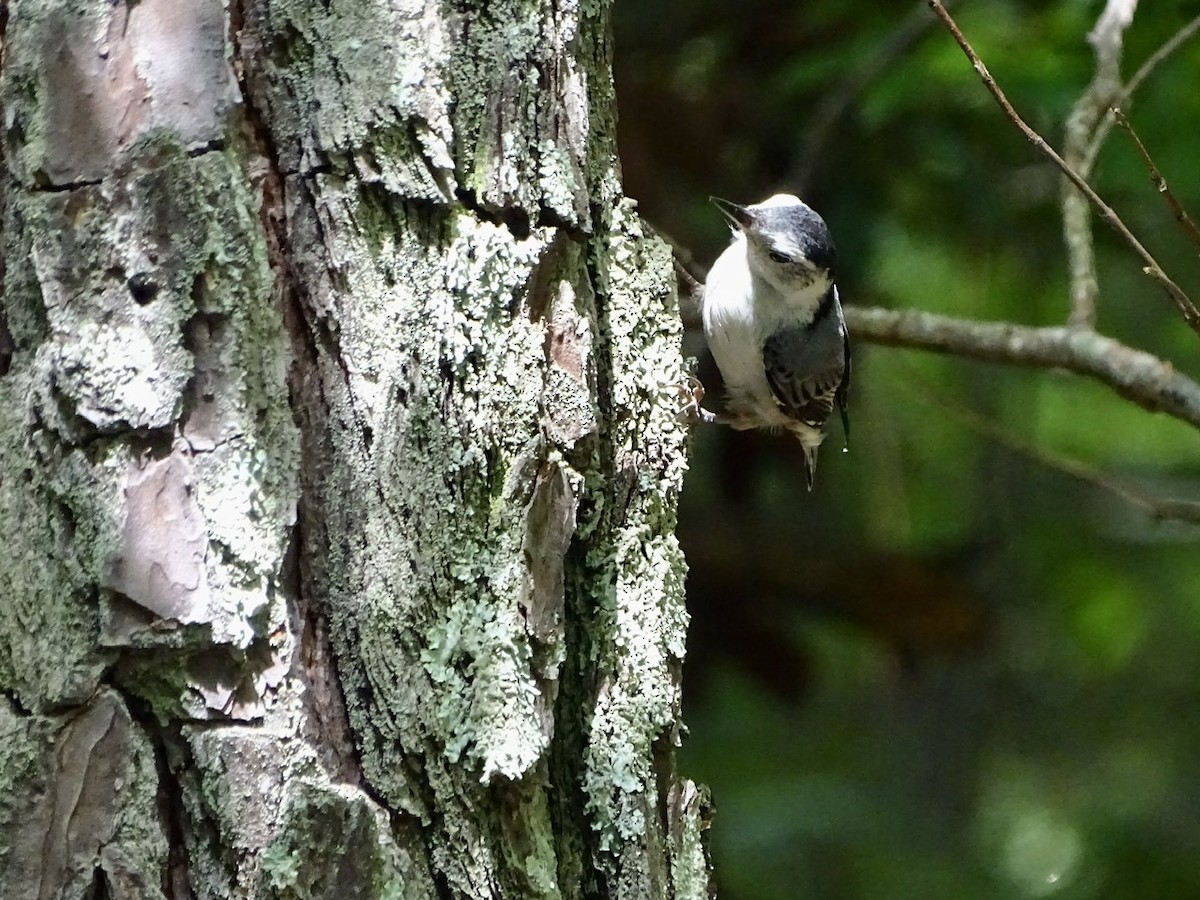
<point x="740" y="311"/>
<point x="729" y="320"/>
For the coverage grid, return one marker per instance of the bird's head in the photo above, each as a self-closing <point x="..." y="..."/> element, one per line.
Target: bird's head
<point x="787" y="244"/>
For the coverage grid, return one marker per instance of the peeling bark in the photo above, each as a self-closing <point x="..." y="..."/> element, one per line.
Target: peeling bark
<point x="331" y="368"/>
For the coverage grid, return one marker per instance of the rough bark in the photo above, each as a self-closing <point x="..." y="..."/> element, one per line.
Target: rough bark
<point x="339" y="475"/>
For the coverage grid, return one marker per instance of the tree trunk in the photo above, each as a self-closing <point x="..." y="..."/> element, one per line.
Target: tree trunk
<point x="339" y="478"/>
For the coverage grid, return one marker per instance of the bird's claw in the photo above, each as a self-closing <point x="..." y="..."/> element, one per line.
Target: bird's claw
<point x="691" y="392"/>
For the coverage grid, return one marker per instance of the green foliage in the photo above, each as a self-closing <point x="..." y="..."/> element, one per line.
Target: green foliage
<point x="953" y="670"/>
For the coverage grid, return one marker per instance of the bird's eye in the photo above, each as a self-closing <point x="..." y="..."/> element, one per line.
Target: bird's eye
<point x="778" y="257"/>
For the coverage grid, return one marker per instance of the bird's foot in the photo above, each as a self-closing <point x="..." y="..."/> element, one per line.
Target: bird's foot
<point x="691" y="393"/>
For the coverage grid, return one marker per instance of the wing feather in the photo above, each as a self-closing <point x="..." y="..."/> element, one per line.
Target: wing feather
<point x="808" y="367"/>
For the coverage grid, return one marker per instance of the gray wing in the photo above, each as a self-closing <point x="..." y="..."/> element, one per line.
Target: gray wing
<point x="807" y="366"/>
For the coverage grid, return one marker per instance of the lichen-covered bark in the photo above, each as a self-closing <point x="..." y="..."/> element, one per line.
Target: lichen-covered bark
<point x="148" y="456"/>
<point x="332" y="369"/>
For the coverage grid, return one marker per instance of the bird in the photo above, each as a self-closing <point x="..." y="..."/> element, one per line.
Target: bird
<point x="774" y="323"/>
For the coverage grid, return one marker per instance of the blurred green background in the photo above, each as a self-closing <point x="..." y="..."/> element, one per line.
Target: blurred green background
<point x="953" y="670"/>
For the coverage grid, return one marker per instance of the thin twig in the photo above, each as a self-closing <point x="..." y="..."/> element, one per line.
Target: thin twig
<point x="1139" y="377"/>
<point x="1181" y="216"/>
<point x="689" y="281"/>
<point x="1150" y="266"/>
<point x="1158" y="508"/>
<point x="1126" y="93"/>
<point x="1107" y="39"/>
<point x="686" y="268"/>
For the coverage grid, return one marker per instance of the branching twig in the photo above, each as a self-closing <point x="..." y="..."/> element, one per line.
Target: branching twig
<point x="1150" y="266"/>
<point x="1159" y="508"/>
<point x="1137" y="376"/>
<point x="1123" y="97"/>
<point x="1106" y="39"/>
<point x="1181" y="216"/>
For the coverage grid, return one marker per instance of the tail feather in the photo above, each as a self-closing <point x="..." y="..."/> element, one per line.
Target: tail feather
<point x="810" y="464"/>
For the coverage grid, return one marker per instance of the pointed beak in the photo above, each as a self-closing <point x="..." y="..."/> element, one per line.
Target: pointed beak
<point x="738" y="216"/>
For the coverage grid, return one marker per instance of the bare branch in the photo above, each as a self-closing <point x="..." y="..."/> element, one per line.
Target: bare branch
<point x="1158" y="508"/>
<point x="1139" y="377"/>
<point x="1081" y="256"/>
<point x="1126" y="93"/>
<point x="1106" y="39"/>
<point x="1181" y="216"/>
<point x="1150" y="266"/>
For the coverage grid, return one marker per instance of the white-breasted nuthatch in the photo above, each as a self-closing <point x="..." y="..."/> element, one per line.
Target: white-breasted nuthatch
<point x="774" y="323"/>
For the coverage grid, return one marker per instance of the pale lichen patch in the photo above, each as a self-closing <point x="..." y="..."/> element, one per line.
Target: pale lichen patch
<point x="633" y="559"/>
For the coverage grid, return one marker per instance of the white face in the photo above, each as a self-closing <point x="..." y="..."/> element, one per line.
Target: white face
<point x="788" y="244"/>
<point x="780" y="260"/>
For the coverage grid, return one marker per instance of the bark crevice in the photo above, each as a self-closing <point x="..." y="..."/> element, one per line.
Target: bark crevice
<point x="176" y="881"/>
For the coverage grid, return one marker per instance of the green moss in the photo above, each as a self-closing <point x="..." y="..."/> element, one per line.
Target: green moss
<point x="24" y="743"/>
<point x="329" y="844"/>
<point x="48" y="630"/>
